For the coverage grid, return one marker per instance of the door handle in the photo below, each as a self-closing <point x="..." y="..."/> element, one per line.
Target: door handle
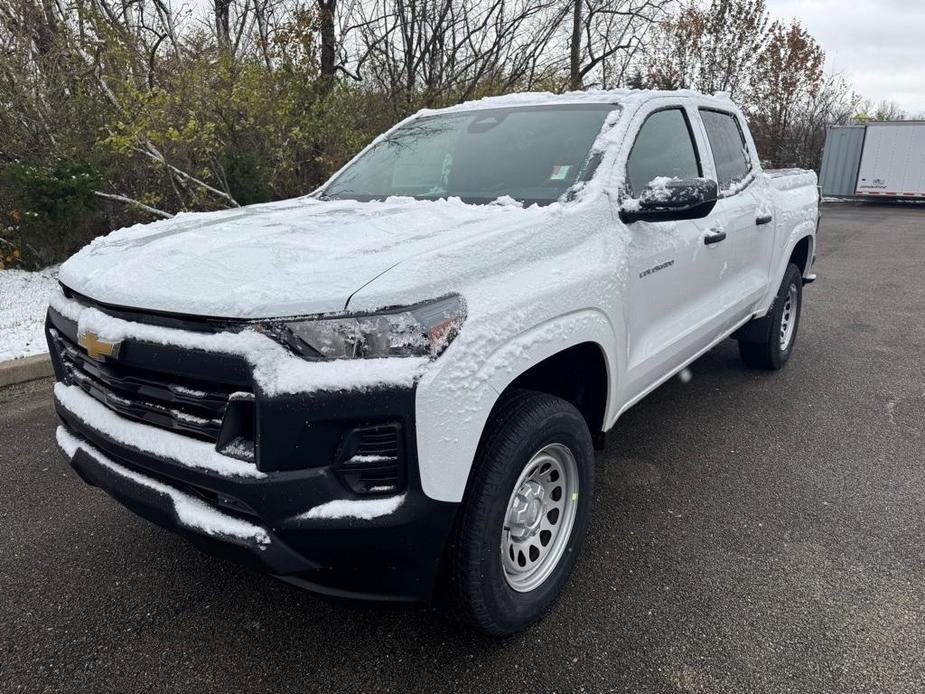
<point x="714" y="236"/>
<point x="763" y="219"/>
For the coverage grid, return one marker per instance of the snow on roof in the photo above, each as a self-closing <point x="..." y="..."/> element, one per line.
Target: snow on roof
<point x="589" y="96"/>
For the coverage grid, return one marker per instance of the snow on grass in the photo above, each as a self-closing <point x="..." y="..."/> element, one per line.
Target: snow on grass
<point x="23" y="302"/>
<point x="191" y="512"/>
<point x="364" y="509"/>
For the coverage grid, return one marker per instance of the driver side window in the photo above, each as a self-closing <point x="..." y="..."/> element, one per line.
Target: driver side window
<point x="663" y="147"/>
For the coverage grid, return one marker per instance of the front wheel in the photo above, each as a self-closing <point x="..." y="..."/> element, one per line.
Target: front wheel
<point x="774" y="351"/>
<point x="525" y="515"/>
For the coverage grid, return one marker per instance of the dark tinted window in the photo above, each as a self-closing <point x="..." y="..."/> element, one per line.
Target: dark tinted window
<point x="663" y="148"/>
<point x="533" y="154"/>
<point x="729" y="149"/>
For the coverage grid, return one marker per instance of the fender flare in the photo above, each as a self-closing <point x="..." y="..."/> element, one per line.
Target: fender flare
<point x="454" y="402"/>
<point x="758" y="329"/>
<point x="801" y="231"/>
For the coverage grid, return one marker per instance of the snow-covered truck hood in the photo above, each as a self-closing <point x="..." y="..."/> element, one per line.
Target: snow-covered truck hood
<point x="297" y="257"/>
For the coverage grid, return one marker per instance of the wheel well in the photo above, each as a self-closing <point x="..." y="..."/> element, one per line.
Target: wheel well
<point x="800" y="255"/>
<point x="578" y="375"/>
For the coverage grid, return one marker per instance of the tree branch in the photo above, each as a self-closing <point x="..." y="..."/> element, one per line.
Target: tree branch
<point x="134" y="203"/>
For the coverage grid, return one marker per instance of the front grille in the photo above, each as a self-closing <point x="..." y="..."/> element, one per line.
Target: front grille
<point x="370" y="460"/>
<point x="180" y="404"/>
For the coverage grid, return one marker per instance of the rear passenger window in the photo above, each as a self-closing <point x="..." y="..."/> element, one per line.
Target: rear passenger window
<point x="730" y="152"/>
<point x="663" y="147"/>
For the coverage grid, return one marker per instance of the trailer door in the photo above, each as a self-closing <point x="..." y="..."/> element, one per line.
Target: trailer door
<point x="893" y="163"/>
<point x="841" y="159"/>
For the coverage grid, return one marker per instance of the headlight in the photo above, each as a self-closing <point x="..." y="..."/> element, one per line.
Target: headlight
<point x="421" y="330"/>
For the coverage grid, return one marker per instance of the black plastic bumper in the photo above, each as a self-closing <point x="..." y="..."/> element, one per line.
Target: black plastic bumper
<point x="272" y="556"/>
<point x="390" y="556"/>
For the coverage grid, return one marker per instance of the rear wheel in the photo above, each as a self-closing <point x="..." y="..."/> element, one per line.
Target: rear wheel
<point x="525" y="515"/>
<point x="774" y="351"/>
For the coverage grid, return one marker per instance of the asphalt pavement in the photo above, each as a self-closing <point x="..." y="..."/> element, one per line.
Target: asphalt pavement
<point x="751" y="532"/>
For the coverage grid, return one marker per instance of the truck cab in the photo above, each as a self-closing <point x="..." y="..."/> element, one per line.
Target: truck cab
<point x="394" y="385"/>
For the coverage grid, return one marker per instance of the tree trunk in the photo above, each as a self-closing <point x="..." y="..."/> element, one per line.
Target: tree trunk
<point x="575" y="48"/>
<point x="223" y="23"/>
<point x="326" y="10"/>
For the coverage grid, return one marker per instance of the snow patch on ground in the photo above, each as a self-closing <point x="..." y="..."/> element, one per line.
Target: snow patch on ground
<point x="190" y="511"/>
<point x="23" y="302"/>
<point x="364" y="509"/>
<point x="164" y="444"/>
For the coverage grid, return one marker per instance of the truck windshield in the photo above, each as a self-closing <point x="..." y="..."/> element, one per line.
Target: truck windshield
<point x="531" y="154"/>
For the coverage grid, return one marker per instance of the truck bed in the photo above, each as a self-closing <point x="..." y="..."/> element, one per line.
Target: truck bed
<point x="788" y="179"/>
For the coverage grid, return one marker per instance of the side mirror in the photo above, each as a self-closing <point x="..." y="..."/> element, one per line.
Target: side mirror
<point x="671" y="199"/>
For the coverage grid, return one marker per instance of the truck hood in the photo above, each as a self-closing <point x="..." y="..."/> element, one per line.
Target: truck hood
<point x="297" y="257"/>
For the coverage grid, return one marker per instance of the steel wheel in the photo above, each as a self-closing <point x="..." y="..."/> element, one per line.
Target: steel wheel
<point x="539" y="518"/>
<point x="788" y="317"/>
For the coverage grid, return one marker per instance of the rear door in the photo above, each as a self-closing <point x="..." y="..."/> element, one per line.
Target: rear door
<point x="744" y="213"/>
<point x="671" y="303"/>
<point x="891" y="164"/>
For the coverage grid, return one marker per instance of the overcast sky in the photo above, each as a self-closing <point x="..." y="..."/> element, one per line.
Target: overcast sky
<point x="878" y="44"/>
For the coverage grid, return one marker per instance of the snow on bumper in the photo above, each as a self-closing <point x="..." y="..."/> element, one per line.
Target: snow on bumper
<point x="192" y="454"/>
<point x="189" y="512"/>
<point x="301" y="525"/>
<point x="164" y="444"/>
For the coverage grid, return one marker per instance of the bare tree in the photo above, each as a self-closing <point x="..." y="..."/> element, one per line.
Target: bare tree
<point x="222" y="10"/>
<point x="609" y="33"/>
<point x="432" y="51"/>
<point x="882" y="110"/>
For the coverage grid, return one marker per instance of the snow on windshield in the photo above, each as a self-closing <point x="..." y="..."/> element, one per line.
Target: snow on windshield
<point x="532" y="154"/>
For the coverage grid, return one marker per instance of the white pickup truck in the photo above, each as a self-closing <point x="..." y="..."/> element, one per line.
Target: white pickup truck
<point x="396" y="383"/>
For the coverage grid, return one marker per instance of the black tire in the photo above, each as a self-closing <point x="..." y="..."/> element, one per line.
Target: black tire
<point x="768" y="353"/>
<point x="523" y="423"/>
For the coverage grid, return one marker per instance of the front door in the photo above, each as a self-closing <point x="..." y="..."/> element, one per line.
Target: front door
<point x="673" y="301"/>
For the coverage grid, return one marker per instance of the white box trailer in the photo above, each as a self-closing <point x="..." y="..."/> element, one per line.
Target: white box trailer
<point x="885" y="159"/>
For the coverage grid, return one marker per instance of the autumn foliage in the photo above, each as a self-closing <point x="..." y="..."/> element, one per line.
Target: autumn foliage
<point x="119" y="112"/>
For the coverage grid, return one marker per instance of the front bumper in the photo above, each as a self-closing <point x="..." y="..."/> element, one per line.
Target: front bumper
<point x="298" y="521"/>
